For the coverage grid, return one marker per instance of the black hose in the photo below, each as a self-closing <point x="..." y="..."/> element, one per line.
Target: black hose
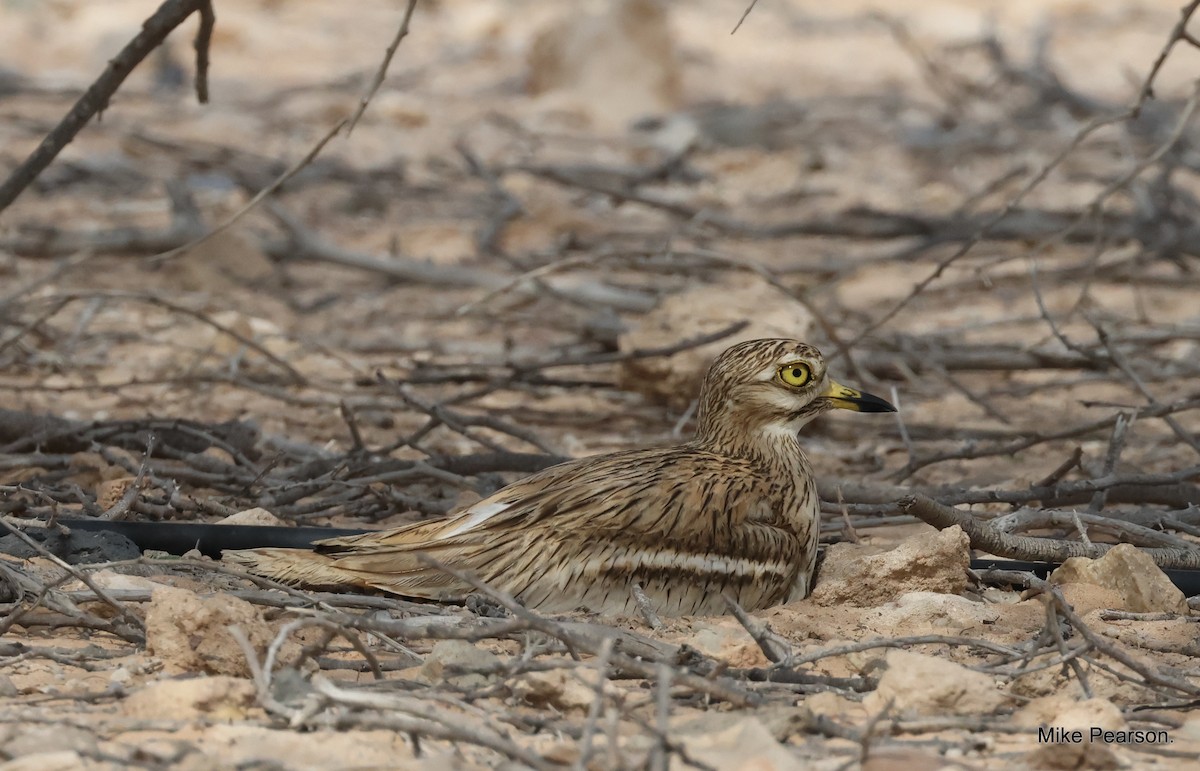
<point x="211" y="540"/>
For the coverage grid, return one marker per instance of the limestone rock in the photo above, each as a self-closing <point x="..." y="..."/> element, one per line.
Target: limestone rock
<point x="1081" y="716"/>
<point x="216" y="698"/>
<point x="557" y="688"/>
<point x="33" y="740"/>
<point x="726" y="640"/>
<point x="55" y="760"/>
<point x="676" y="379"/>
<point x="733" y="743"/>
<point x="1190" y="730"/>
<point x="110" y="491"/>
<point x="828" y="704"/>
<point x="255" y="516"/>
<point x="190" y="633"/>
<point x="931" y="609"/>
<point x="916" y="684"/>
<point x="616" y="60"/>
<point x="458" y="661"/>
<point x="248" y="746"/>
<point x="854" y="574"/>
<point x="1131" y="573"/>
<point x="903" y="759"/>
<point x="1085" y="598"/>
<point x="118" y="582"/>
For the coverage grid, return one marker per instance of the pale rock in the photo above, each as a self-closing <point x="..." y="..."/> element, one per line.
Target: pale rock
<point x="856" y="574"/>
<point x="905" y="759"/>
<point x="1045" y="683"/>
<point x="56" y="760"/>
<point x="110" y="491"/>
<point x="616" y="60"/>
<point x="929" y="609"/>
<point x="558" y="688"/>
<point x="702" y="310"/>
<point x="563" y="753"/>
<point x="217" y="698"/>
<point x="122" y="582"/>
<point x="457" y="661"/>
<point x="732" y="743"/>
<point x="256" y="516"/>
<point x="672" y="135"/>
<point x="248" y="746"/>
<point x="1082" y="716"/>
<point x="1190" y="730"/>
<point x="728" y="643"/>
<point x="1066" y="711"/>
<point x="35" y="739"/>
<point x="121" y="677"/>
<point x="1130" y="572"/>
<point x="782" y="720"/>
<point x="916" y="684"/>
<point x="1087" y="598"/>
<point x="828" y="704"/>
<point x="190" y="633"/>
<point x="1098" y="713"/>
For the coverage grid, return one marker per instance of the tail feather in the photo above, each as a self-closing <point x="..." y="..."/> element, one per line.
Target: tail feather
<point x="302" y="567"/>
<point x="292" y="566"/>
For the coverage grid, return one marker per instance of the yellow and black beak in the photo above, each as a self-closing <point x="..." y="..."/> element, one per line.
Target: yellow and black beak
<point x="849" y="399"/>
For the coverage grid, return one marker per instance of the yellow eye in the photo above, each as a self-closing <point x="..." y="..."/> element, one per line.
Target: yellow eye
<point x="795" y="374"/>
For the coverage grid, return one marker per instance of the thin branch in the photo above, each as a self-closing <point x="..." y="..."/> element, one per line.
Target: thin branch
<point x="154" y="31"/>
<point x="381" y="73"/>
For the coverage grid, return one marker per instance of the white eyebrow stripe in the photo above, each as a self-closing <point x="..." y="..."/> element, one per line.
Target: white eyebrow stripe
<point x="478" y="515"/>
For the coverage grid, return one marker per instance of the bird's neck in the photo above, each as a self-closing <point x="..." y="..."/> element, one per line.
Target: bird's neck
<point x="775" y="447"/>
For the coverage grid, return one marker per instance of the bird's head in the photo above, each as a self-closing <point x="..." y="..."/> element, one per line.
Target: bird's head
<point x="773" y="386"/>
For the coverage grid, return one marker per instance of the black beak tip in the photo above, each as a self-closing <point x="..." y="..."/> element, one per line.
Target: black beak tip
<point x="872" y="403"/>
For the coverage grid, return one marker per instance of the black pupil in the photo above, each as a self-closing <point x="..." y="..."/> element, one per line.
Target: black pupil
<point x="797" y="373"/>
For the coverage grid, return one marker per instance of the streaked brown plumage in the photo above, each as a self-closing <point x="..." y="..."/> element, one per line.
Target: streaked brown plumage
<point x="735" y="510"/>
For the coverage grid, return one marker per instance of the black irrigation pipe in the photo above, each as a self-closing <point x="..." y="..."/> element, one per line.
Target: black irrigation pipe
<point x="1188" y="581"/>
<point x="211" y="540"/>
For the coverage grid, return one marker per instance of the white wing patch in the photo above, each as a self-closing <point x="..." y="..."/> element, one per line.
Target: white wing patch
<point x="478" y="514"/>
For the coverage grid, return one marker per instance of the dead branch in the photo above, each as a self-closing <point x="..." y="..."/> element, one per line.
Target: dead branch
<point x="987" y="538"/>
<point x="154" y="31"/>
<point x="774" y="647"/>
<point x="381" y="73"/>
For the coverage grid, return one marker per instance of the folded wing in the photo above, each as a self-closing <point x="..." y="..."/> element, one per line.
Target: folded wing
<point x="565" y="533"/>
